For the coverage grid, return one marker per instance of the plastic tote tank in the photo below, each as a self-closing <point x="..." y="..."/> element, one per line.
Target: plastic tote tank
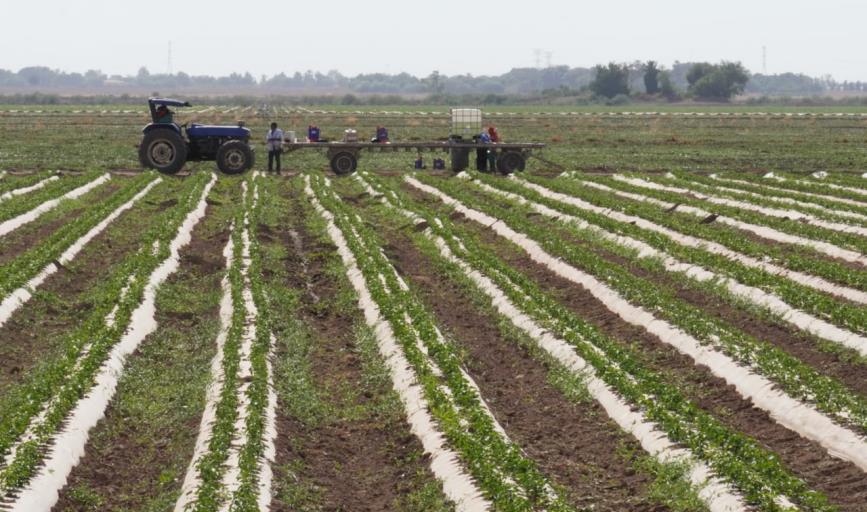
<point x="466" y="122"/>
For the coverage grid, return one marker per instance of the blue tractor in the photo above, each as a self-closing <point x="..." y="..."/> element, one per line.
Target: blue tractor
<point x="167" y="146"/>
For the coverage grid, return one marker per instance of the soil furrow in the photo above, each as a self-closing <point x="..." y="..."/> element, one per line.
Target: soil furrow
<point x="35" y="332"/>
<point x="841" y="481"/>
<point x="138" y="453"/>
<point x="789" y="338"/>
<point x="30" y="235"/>
<point x="363" y="457"/>
<point x="574" y="444"/>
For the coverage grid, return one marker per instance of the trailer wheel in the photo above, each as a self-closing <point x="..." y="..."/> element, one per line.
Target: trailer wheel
<point x="510" y="161"/>
<point x="163" y="150"/>
<point x="343" y="163"/>
<point x="234" y="157"/>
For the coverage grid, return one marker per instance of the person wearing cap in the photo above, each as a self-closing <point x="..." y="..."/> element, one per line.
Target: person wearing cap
<point x="274" y="144"/>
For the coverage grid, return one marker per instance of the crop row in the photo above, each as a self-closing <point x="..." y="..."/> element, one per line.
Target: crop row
<point x="506" y="478"/>
<point x="25" y="186"/>
<point x="794" y="376"/>
<point x="740" y="460"/>
<point x="19" y="207"/>
<point x="850" y="187"/>
<point x="814" y="204"/>
<point x="63" y="244"/>
<point x="34" y="412"/>
<point x="231" y="466"/>
<point x="730" y="238"/>
<point x="845" y="245"/>
<point x="748" y="209"/>
<point x="768" y="290"/>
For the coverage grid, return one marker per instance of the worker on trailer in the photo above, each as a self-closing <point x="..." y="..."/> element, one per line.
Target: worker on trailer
<point x="274" y="143"/>
<point x="492" y="132"/>
<point x="381" y="135"/>
<point x="164" y="115"/>
<point x="492" y="155"/>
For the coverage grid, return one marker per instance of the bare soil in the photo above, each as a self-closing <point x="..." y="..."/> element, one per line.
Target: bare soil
<point x="35" y="332"/>
<point x="788" y="338"/>
<point x="364" y="463"/>
<point x="576" y="445"/>
<point x="127" y="461"/>
<point x="842" y="482"/>
<point x="28" y="236"/>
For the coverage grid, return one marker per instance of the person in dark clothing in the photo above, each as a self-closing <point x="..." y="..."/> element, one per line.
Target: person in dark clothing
<point x="274" y="143"/>
<point x="481" y="154"/>
<point x="482" y="157"/>
<point x="381" y="135"/>
<point x="164" y="115"/>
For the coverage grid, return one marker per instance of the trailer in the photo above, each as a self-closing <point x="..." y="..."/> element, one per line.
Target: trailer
<point x="343" y="156"/>
<point x="463" y="139"/>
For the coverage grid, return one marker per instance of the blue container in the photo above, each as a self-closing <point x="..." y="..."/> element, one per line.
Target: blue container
<point x="313" y="133"/>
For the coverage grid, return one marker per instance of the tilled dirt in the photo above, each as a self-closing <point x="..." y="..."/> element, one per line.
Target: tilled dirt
<point x="576" y="445"/>
<point x="28" y="236"/>
<point x="790" y="339"/>
<point x="129" y="463"/>
<point x="364" y="463"/>
<point x="841" y="481"/>
<point x="37" y="330"/>
<point x="805" y="252"/>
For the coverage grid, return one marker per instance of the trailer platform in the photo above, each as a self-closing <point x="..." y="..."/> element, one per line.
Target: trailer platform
<point x="344" y="156"/>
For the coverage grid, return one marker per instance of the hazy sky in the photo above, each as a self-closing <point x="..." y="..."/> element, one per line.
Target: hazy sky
<point x="454" y="37"/>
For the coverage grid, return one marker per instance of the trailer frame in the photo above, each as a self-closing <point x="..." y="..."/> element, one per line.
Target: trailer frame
<point x="343" y="156"/>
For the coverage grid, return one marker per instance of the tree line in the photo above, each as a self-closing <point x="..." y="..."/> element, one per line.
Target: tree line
<point x="610" y="82"/>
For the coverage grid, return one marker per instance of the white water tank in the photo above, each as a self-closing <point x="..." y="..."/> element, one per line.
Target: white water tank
<point x="466" y="122"/>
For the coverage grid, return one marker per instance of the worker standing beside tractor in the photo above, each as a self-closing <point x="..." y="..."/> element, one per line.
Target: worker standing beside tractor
<point x="274" y="143"/>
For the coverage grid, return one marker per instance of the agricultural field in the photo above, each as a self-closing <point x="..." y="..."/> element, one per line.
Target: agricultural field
<point x="667" y="313"/>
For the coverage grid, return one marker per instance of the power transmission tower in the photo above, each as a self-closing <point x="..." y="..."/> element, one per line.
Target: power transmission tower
<point x="537" y="53"/>
<point x="170" y="58"/>
<point x="548" y="59"/>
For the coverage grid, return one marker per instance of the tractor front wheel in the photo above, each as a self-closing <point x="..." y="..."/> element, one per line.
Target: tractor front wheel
<point x="163" y="150"/>
<point x="234" y="157"/>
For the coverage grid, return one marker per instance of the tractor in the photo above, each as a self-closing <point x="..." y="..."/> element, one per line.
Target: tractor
<point x="167" y="146"/>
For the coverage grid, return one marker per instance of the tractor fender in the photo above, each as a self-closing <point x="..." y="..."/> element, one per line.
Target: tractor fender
<point x="161" y="126"/>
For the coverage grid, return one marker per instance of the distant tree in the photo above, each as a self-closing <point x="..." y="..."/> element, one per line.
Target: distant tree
<point x="651" y="77"/>
<point x="38" y="75"/>
<point x="667" y="87"/>
<point x="350" y="99"/>
<point x="94" y="77"/>
<point x="143" y="74"/>
<point x="717" y="81"/>
<point x="698" y="71"/>
<point x="611" y="80"/>
<point x="434" y="83"/>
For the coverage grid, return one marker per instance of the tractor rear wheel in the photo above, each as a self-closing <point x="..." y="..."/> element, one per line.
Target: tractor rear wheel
<point x="163" y="150"/>
<point x="343" y="163"/>
<point x="235" y="157"/>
